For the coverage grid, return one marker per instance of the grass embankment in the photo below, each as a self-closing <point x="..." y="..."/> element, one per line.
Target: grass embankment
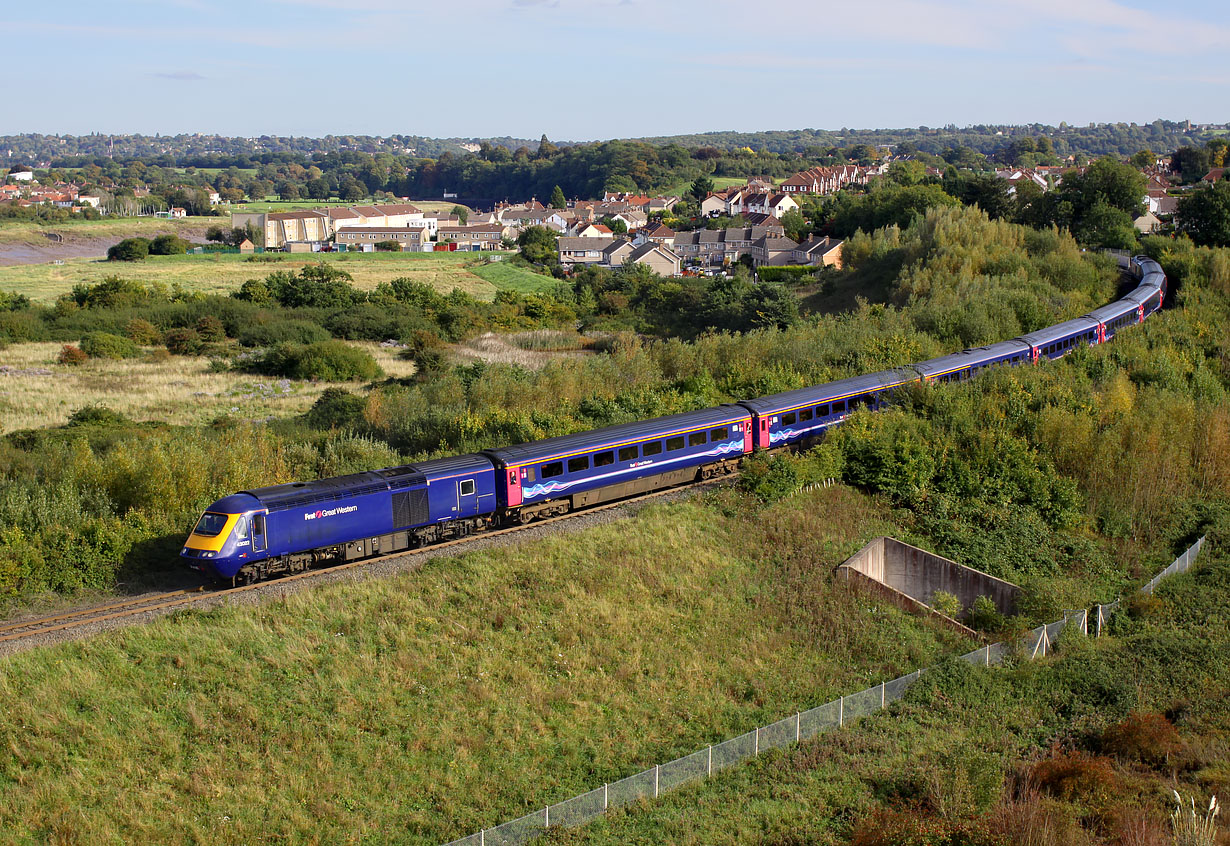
<point x="1082" y="748"/>
<point x="180" y="390"/>
<point x="219" y="273"/>
<point x="430" y="206"/>
<point x="420" y="708"/>
<point x="720" y="183"/>
<point x="32" y="232"/>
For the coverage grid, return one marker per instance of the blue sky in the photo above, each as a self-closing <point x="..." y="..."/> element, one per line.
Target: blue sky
<point x="590" y="69"/>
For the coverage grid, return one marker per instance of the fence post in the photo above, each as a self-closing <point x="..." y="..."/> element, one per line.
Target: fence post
<point x="710" y="772"/>
<point x="655" y="780"/>
<point x="757" y="752"/>
<point x="881" y="696"/>
<point x="988" y="650"/>
<point x="605" y="797"/>
<point x="482" y="837"/>
<point x="546" y="817"/>
<point x="841" y="712"/>
<point x="798" y="726"/>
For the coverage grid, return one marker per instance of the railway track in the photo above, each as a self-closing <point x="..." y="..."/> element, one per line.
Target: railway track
<point x="19" y="630"/>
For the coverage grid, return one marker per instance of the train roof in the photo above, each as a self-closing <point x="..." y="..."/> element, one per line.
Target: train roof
<point x="1060" y="330"/>
<point x="278" y="497"/>
<point x="971" y="357"/>
<point x="1109" y="312"/>
<point x="535" y="451"/>
<point x="830" y="391"/>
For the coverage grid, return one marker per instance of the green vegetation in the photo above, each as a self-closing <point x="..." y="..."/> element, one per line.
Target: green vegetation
<point x="453" y="697"/>
<point x="1080" y="749"/>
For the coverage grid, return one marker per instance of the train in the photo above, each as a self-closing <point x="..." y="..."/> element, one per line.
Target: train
<point x="263" y="532"/>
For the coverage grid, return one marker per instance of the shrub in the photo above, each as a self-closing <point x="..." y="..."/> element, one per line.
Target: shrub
<point x="329" y="361"/>
<point x="141" y="331"/>
<point x="1148" y="738"/>
<point x="984" y="616"/>
<point x="184" y="342"/>
<point x="1076" y="776"/>
<point x="210" y="329"/>
<point x="72" y="355"/>
<point x="267" y="334"/>
<point x="168" y="245"/>
<point x="336" y="408"/>
<point x="946" y="603"/>
<point x="254" y="290"/>
<point x="388" y="246"/>
<point x="130" y="249"/>
<point x="97" y="415"/>
<point x="106" y="345"/>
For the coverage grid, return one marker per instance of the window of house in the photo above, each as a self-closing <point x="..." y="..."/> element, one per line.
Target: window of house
<point x="697" y="439"/>
<point x="651" y="448"/>
<point x="579" y="463"/>
<point x="602" y="459"/>
<point x="555" y="468"/>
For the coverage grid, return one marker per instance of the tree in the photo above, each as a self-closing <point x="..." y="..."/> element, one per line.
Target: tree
<point x="463" y="214"/>
<point x="168" y="245"/>
<point x="1143" y="159"/>
<point x="1105" y="226"/>
<point x="539" y="245"/>
<point x="130" y="249"/>
<point x="796" y="226"/>
<point x="545" y="148"/>
<point x="1192" y="162"/>
<point x="558" y="201"/>
<point x="702" y="186"/>
<point x="1204" y="214"/>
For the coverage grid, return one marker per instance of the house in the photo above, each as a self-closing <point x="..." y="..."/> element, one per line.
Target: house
<point x="768" y="221"/>
<point x="718" y="247"/>
<point x="1215" y="174"/>
<point x="177" y="212"/>
<point x="659" y="233"/>
<point x="818" y="252"/>
<point x="1167" y="206"/>
<point x="1147" y="223"/>
<point x="658" y="258"/>
<point x="246" y="246"/>
<point x="593" y="230"/>
<point x="713" y="205"/>
<point x="1020" y="174"/>
<point x="774" y="204"/>
<point x="825" y="180"/>
<point x="662" y="204"/>
<point x="615" y="253"/>
<point x="484" y="236"/>
<point x="771" y="251"/>
<point x="22" y="175"/>
<point x="361" y="237"/>
<point x="632" y="218"/>
<point x="574" y="251"/>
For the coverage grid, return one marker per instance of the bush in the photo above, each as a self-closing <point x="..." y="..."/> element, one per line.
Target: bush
<point x="168" y="245"/>
<point x="106" y="345"/>
<point x="1076" y="777"/>
<point x="72" y="355"/>
<point x="946" y="603"/>
<point x="130" y="249"/>
<point x="141" y="331"/>
<point x="1148" y="738"/>
<point x="328" y="361"/>
<point x="258" y="334"/>
<point x="97" y="415"/>
<point x="184" y="342"/>
<point x="388" y="246"/>
<point x="336" y="408"/>
<point x="984" y="616"/>
<point x="254" y="290"/>
<point x="210" y="329"/>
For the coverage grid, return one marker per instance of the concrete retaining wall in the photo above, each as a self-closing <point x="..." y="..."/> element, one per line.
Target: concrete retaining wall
<point x="917" y="574"/>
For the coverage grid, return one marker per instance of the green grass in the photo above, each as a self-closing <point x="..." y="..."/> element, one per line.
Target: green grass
<point x="222" y="273"/>
<point x="420" y="708"/>
<point x="944" y="756"/>
<point x="507" y="276"/>
<point x="275" y="205"/>
<point x="720" y="183"/>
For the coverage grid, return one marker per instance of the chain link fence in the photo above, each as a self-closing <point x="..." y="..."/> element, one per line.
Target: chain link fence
<point x="699" y="765"/>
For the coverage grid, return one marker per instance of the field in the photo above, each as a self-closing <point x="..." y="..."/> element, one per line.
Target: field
<point x="422" y="707"/>
<point x="223" y="273"/>
<point x="35" y="391"/>
<point x="272" y="205"/>
<point x="720" y="183"/>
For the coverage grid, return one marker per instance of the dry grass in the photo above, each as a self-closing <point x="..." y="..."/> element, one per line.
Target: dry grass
<point x="29" y="232"/>
<point x="218" y="273"/>
<point x="508" y="349"/>
<point x="36" y="392"/>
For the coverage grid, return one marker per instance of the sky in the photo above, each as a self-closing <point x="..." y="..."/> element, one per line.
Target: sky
<point x="581" y="70"/>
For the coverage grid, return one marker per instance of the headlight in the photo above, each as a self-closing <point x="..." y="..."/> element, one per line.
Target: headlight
<point x="184" y="551"/>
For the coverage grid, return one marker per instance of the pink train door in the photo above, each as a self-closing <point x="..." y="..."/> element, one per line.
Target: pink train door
<point x="747" y="436"/>
<point x="514" y="486"/>
<point x="762" y="433"/>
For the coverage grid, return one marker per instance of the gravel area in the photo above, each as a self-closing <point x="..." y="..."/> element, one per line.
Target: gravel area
<point x="379" y="568"/>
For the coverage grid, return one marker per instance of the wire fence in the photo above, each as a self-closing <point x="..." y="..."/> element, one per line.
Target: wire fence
<point x="804" y="725"/>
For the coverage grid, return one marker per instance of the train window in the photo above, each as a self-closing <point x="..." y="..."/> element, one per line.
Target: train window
<point x="718" y="434"/>
<point x="697" y="439"/>
<point x="651" y="448"/>
<point x="823" y="410"/>
<point x="788" y="419"/>
<point x="839" y="407"/>
<point x="210" y="525"/>
<point x="467" y="487"/>
<point x="805" y="415"/>
<point x="555" y="468"/>
<point x="241" y="528"/>
<point x="602" y="459"/>
<point x="627" y="453"/>
<point x="674" y="443"/>
<point x="529" y="474"/>
<point x="576" y="465"/>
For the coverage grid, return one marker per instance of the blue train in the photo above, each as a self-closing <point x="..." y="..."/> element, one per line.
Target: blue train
<point x="263" y="532"/>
